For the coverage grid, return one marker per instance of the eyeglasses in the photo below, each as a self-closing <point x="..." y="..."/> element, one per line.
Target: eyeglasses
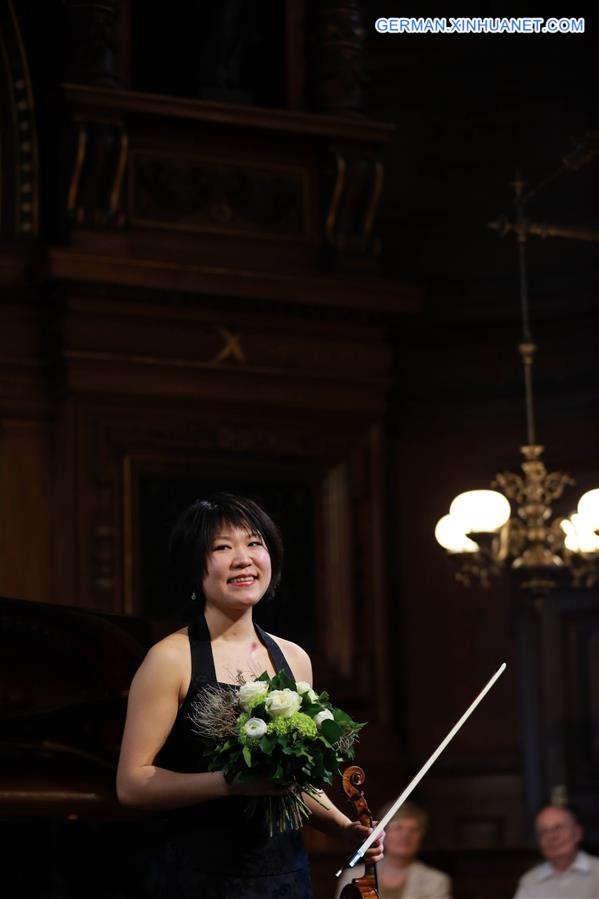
<point x="554" y="829"/>
<point x="403" y="825"/>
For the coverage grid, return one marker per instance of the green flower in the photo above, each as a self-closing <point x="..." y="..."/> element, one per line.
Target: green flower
<point x="304" y="725"/>
<point x="250" y="704"/>
<point x="299" y="723"/>
<point x="241" y="722"/>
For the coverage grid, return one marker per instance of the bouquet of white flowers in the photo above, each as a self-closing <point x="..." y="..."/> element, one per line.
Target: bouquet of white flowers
<point x="278" y="729"/>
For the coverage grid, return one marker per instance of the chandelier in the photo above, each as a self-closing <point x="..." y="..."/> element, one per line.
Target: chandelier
<point x="484" y="532"/>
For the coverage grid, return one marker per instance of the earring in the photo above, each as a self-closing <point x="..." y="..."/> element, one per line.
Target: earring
<point x="193" y="596"/>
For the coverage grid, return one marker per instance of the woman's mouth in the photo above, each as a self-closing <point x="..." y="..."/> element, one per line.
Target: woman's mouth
<point x="245" y="580"/>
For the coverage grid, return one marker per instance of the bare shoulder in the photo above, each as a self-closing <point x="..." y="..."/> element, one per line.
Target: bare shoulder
<point x="171" y="648"/>
<point x="154" y="699"/>
<point x="169" y="659"/>
<point x="298" y="659"/>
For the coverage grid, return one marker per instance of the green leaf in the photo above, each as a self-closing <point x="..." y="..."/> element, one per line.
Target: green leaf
<point x="247" y="756"/>
<point x="342" y="717"/>
<point x="330" y="731"/>
<point x="346" y="721"/>
<point x="282" y="681"/>
<point x="267" y="743"/>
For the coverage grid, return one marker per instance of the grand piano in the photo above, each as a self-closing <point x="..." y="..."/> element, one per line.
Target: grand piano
<point x="63" y="694"/>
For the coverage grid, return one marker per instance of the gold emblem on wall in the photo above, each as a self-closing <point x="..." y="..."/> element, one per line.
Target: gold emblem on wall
<point x="231" y="350"/>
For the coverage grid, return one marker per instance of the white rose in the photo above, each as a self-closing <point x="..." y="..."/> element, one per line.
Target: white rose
<point x="254" y="689"/>
<point x="255" y="727"/>
<point x="283" y="703"/>
<point x="304" y="689"/>
<point x="325" y="715"/>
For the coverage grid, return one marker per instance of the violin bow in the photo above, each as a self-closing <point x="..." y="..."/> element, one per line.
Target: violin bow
<point x="416" y="780"/>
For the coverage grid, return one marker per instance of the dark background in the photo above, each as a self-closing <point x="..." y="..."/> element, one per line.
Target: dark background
<point x="379" y="376"/>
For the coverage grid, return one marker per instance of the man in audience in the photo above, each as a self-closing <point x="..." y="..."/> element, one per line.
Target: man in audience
<point x="567" y="872"/>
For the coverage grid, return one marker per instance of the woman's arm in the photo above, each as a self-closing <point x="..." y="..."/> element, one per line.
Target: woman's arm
<point x="152" y="708"/>
<point x="335" y="823"/>
<point x="326" y="817"/>
<point x="151" y="712"/>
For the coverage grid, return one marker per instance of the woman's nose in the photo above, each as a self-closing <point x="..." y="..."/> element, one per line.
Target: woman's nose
<point x="241" y="557"/>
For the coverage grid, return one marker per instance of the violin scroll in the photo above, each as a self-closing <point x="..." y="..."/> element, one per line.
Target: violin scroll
<point x="352" y="779"/>
<point x="365" y="887"/>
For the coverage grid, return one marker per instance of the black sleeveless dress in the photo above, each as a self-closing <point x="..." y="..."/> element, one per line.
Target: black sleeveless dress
<point x="214" y="850"/>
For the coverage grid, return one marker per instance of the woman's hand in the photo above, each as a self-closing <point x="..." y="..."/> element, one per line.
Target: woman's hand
<point x="330" y="820"/>
<point x="355" y="834"/>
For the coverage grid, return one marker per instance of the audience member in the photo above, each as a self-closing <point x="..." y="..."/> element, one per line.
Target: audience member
<point x="567" y="873"/>
<point x="400" y="875"/>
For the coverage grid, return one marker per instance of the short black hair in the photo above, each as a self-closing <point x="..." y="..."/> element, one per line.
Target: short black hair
<point x="192" y="537"/>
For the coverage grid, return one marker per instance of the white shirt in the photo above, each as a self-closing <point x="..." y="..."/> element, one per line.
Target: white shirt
<point x="579" y="881"/>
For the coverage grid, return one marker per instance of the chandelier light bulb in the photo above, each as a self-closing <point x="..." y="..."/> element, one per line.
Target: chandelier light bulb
<point x="451" y="536"/>
<point x="570" y="540"/>
<point x="588" y="507"/>
<point x="480" y="511"/>
<point x="580" y="536"/>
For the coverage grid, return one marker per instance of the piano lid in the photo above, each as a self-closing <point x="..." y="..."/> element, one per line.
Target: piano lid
<point x="63" y="691"/>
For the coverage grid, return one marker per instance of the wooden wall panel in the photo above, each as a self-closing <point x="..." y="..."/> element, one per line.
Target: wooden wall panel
<point x="452" y="638"/>
<point x="25" y="500"/>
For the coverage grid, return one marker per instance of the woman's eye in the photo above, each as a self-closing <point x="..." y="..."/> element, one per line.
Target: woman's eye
<point x="255" y="543"/>
<point x="220" y="546"/>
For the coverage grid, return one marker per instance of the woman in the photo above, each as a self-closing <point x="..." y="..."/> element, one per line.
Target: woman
<point x="229" y="552"/>
<point x="400" y="874"/>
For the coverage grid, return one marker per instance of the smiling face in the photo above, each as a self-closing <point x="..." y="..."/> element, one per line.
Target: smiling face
<point x="558" y="834"/>
<point x="403" y="837"/>
<point x="238" y="569"/>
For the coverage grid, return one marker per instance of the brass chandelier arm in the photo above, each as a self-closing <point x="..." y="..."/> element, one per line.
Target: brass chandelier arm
<point x="511" y="484"/>
<point x="555" y="536"/>
<point x="478" y="569"/>
<point x="586" y="150"/>
<point x="583" y="568"/>
<point x="517" y="537"/>
<point x="555" y="484"/>
<point x="543" y="229"/>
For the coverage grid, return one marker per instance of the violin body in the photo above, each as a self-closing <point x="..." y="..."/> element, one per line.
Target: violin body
<point x="365" y="886"/>
<point x="360" y="888"/>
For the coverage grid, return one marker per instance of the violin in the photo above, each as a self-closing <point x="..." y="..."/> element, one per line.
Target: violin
<point x="366" y="886"/>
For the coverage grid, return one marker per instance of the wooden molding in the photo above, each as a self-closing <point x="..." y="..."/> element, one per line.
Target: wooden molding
<point x="70" y="265"/>
<point x="237" y="116"/>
